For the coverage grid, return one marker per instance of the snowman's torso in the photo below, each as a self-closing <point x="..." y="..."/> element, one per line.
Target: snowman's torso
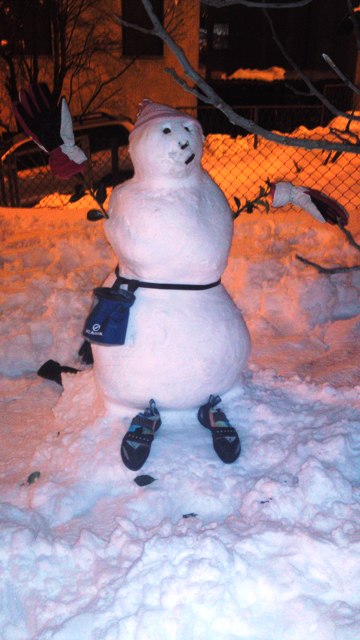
<point x="174" y="235"/>
<point x="181" y="346"/>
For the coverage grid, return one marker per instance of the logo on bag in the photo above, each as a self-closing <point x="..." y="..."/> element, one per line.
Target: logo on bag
<point x="95" y="331"/>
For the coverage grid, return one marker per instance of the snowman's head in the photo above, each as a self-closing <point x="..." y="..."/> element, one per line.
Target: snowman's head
<point x="165" y="143"/>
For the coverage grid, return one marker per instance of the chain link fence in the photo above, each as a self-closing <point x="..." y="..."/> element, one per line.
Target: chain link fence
<point x="240" y="163"/>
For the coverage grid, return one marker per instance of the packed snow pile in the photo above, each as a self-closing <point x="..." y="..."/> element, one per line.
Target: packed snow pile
<point x="263" y="75"/>
<point x="265" y="549"/>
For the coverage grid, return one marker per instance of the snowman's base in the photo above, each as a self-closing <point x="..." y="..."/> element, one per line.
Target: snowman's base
<point x="180" y="347"/>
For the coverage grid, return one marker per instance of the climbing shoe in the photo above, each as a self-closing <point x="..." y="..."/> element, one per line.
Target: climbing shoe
<point x="136" y="444"/>
<point x="225" y="438"/>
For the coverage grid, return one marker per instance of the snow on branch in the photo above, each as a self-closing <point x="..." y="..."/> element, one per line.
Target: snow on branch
<point x="327" y="270"/>
<point x="330" y="270"/>
<point x="198" y="87"/>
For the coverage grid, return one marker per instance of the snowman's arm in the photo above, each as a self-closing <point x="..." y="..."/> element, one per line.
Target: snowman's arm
<point x="318" y="204"/>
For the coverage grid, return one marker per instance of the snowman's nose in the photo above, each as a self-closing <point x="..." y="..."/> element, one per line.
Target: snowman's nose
<point x="183" y="145"/>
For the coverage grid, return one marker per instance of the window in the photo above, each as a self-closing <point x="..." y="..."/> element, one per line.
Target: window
<point x="220" y="39"/>
<point x="135" y="43"/>
<point x="25" y="26"/>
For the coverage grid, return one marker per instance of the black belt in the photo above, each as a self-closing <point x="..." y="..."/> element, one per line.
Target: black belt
<point x="134" y="284"/>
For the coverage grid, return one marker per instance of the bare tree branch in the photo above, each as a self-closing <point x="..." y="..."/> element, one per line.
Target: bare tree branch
<point x="329" y="270"/>
<point x="295" y="91"/>
<point x="344" y="135"/>
<point x="187" y="87"/>
<point x="312" y="89"/>
<point x="132" y="25"/>
<point x="103" y="84"/>
<point x="350" y="238"/>
<point x="79" y="32"/>
<point x="204" y="92"/>
<point x="340" y="74"/>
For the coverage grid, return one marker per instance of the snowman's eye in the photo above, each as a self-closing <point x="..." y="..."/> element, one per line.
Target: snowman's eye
<point x="187" y="128"/>
<point x="166" y="130"/>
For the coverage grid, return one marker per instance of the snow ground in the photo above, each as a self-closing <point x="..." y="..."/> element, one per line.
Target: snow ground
<point x="265" y="549"/>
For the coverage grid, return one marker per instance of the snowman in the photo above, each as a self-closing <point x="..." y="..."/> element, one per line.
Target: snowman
<point x="186" y="342"/>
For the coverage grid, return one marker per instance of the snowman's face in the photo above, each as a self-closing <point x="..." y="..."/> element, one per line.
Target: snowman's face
<point x="167" y="148"/>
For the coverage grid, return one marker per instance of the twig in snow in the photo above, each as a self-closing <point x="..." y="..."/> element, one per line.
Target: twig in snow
<point x="327" y="270"/>
<point x="351" y="240"/>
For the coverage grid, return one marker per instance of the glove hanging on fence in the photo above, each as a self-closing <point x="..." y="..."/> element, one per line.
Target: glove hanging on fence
<point x="319" y="205"/>
<point x="50" y="126"/>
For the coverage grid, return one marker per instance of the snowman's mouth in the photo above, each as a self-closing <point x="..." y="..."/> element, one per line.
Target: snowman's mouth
<point x="190" y="158"/>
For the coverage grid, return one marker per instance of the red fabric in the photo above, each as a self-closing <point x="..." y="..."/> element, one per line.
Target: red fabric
<point x="62" y="167"/>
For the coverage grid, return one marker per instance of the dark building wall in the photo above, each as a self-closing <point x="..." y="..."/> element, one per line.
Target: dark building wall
<point x="305" y="32"/>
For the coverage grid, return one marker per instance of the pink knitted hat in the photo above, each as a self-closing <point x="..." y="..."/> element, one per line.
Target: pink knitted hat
<point x="149" y="111"/>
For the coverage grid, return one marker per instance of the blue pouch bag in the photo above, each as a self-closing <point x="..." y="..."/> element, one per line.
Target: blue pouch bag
<point x="107" y="322"/>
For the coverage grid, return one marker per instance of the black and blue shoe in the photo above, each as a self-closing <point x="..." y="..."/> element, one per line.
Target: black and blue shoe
<point x="136" y="444"/>
<point x="226" y="441"/>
